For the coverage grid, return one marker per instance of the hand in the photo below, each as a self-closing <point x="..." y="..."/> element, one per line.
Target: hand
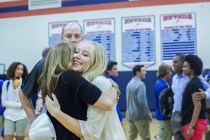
<point x="15" y="85"/>
<point x="207" y="128"/>
<point x="39" y="105"/>
<point x="113" y="83"/>
<point x="190" y="132"/>
<point x="53" y="106"/>
<point x="115" y="86"/>
<point x="199" y="95"/>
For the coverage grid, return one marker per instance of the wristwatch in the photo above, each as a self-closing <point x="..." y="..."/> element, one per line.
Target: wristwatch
<point x="192" y="127"/>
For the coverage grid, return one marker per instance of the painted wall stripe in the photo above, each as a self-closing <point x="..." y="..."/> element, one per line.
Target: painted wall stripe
<point x="96" y="7"/>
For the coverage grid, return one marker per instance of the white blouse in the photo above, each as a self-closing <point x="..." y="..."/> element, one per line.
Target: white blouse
<point x="10" y="100"/>
<point x="102" y="125"/>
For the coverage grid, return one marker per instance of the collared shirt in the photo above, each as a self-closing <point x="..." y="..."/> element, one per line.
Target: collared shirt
<point x="206" y="86"/>
<point x="179" y="83"/>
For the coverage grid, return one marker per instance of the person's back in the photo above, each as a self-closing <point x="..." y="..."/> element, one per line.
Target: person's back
<point x="133" y="99"/>
<point x="66" y="93"/>
<point x="109" y="127"/>
<point x="137" y="112"/>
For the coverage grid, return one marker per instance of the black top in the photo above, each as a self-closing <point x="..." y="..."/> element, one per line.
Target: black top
<point x="30" y="85"/>
<point x="187" y="102"/>
<point x="73" y="93"/>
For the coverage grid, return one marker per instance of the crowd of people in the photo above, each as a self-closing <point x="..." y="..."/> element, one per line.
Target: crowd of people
<point x="80" y="90"/>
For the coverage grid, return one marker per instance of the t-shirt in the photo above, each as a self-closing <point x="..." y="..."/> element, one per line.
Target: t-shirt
<point x="30" y="85"/>
<point x="187" y="103"/>
<point x="73" y="93"/>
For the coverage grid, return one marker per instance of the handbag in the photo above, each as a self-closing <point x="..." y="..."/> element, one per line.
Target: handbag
<point x="42" y="127"/>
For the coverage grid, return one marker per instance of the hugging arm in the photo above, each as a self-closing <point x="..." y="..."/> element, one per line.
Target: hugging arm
<point x="67" y="121"/>
<point x="107" y="99"/>
<point x="201" y="94"/>
<point x="90" y="129"/>
<point x="30" y="87"/>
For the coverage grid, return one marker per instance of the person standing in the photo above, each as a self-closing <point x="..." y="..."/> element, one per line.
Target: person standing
<point x="137" y="111"/>
<point x="193" y="117"/>
<point x="164" y="123"/>
<point x="179" y="82"/>
<point x="16" y="119"/>
<point x="112" y="73"/>
<point x="71" y="32"/>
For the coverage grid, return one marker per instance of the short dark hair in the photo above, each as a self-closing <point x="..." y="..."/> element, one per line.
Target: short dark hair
<point x="13" y="67"/>
<point x="181" y="57"/>
<point x="137" y="68"/>
<point x="110" y="65"/>
<point x="195" y="63"/>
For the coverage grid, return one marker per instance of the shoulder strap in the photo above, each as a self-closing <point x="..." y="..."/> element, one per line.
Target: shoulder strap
<point x="8" y="84"/>
<point x="44" y="109"/>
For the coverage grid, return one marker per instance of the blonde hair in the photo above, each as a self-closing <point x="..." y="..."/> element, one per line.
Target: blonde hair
<point x="59" y="60"/>
<point x="163" y="70"/>
<point x="98" y="60"/>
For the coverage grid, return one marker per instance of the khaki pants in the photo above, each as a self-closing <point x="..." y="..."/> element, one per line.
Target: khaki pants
<point x="176" y="126"/>
<point x="164" y="128"/>
<point x="140" y="127"/>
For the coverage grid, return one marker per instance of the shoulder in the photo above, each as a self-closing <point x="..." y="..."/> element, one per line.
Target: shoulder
<point x="73" y="77"/>
<point x="6" y="83"/>
<point x="100" y="79"/>
<point x="71" y="74"/>
<point x="1" y="82"/>
<point x="174" y="77"/>
<point x="195" y="81"/>
<point x="160" y="84"/>
<point x="102" y="83"/>
<point x="40" y="64"/>
<point x="141" y="83"/>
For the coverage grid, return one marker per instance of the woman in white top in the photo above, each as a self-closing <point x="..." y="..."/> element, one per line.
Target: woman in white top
<point x="90" y="60"/>
<point x="15" y="117"/>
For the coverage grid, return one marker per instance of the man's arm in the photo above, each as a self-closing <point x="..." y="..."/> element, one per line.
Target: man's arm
<point x="30" y="87"/>
<point x="202" y="95"/>
<point x="27" y="106"/>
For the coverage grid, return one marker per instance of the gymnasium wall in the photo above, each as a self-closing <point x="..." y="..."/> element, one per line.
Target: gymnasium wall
<point x="23" y="37"/>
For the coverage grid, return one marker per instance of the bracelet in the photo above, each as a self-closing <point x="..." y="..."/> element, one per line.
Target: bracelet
<point x="192" y="127"/>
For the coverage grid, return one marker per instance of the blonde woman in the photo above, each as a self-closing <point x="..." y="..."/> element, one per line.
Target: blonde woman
<point x="90" y="60"/>
<point x="71" y="90"/>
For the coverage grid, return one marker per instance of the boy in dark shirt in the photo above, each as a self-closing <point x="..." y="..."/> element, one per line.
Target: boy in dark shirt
<point x="193" y="117"/>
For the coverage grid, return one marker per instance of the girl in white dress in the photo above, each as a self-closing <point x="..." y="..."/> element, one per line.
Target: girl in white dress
<point x="90" y="60"/>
